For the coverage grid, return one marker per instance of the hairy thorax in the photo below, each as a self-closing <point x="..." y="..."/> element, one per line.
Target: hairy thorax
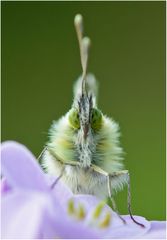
<point x="67" y="146"/>
<point x="81" y="180"/>
<point x="85" y="148"/>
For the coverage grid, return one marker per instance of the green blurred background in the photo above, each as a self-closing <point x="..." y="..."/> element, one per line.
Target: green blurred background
<point x="40" y="61"/>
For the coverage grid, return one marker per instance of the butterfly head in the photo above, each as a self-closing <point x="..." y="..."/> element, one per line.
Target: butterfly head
<point x="84" y="116"/>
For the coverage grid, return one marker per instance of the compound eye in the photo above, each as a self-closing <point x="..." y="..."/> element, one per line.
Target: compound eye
<point x="96" y="119"/>
<point x="74" y="118"/>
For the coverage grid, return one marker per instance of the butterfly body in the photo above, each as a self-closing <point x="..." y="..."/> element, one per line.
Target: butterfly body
<point x="68" y="145"/>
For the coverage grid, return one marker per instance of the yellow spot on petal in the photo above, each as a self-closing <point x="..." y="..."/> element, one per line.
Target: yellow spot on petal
<point x="71" y="208"/>
<point x="81" y="212"/>
<point x="106" y="222"/>
<point x="98" y="209"/>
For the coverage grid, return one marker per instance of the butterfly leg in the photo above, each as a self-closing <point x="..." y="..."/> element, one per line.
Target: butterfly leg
<point x="41" y="155"/>
<point x="112" y="199"/>
<point x="126" y="174"/>
<point x="129" y="202"/>
<point x="62" y="172"/>
<point x="58" y="178"/>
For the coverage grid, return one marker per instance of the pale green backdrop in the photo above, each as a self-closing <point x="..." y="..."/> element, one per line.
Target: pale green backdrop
<point x="40" y="61"/>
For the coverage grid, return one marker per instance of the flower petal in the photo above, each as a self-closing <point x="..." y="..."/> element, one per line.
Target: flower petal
<point x="59" y="189"/>
<point x="157" y="230"/>
<point x="130" y="229"/>
<point x="5" y="187"/>
<point x="90" y="202"/>
<point x="116" y="228"/>
<point x="29" y="215"/>
<point x="67" y="228"/>
<point x="20" y="168"/>
<point x="22" y="215"/>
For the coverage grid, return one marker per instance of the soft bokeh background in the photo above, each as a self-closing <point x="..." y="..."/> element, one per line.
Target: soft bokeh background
<point x="40" y="61"/>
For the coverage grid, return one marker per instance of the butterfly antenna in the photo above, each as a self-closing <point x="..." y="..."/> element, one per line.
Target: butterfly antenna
<point x="84" y="45"/>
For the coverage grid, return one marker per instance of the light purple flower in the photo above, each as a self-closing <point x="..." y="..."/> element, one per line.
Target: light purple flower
<point x="32" y="209"/>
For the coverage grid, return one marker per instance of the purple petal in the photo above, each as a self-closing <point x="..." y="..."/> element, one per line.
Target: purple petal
<point x="36" y="215"/>
<point x="116" y="229"/>
<point x="90" y="202"/>
<point x="20" y="168"/>
<point x="5" y="187"/>
<point x="22" y="215"/>
<point x="130" y="229"/>
<point x="157" y="230"/>
<point x="65" y="227"/>
<point x="59" y="190"/>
